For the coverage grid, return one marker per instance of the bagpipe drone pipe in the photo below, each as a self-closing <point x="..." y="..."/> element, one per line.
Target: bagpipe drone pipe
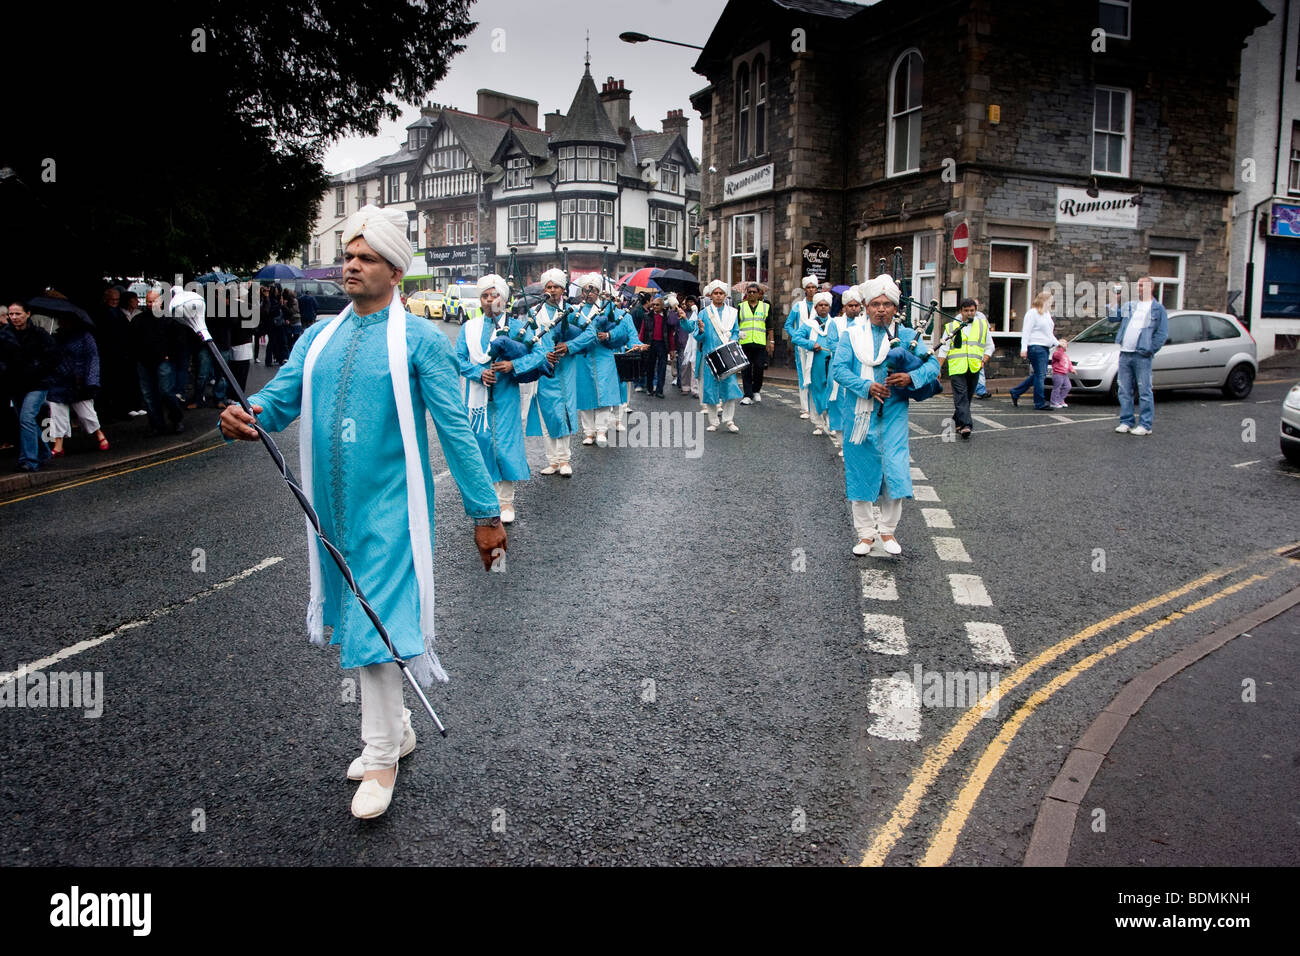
<point x="510" y="347"/>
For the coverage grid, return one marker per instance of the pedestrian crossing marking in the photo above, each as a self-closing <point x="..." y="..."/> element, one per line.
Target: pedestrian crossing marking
<point x="1063" y="419"/>
<point x="924" y="493"/>
<point x="917" y="474"/>
<point x="878" y="585"/>
<point x="918" y="429"/>
<point x="936" y="517"/>
<point x="990" y="643"/>
<point x="986" y="421"/>
<point x="951" y="549"/>
<point x="897" y="709"/>
<point x="885" y="633"/>
<point x="968" y="589"/>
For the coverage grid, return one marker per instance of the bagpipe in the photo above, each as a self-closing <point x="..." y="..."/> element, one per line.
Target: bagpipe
<point x="507" y="346"/>
<point x="607" y="320"/>
<point x="904" y="358"/>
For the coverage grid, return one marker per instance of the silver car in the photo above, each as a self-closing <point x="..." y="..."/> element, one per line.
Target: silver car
<point x="1204" y="350"/>
<point x="1290" y="428"/>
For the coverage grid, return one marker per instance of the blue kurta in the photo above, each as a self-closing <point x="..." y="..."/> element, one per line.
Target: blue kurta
<point x="842" y="406"/>
<point x="556" y="399"/>
<point x="819" y="388"/>
<point x="882" y="458"/>
<point x="502" y="440"/>
<point x="715" y="391"/>
<point x="597" y="376"/>
<point x="792" y="322"/>
<point x="359" y="469"/>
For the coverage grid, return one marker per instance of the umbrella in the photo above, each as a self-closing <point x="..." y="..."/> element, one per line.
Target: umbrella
<point x="278" y="270"/>
<point x="679" y="281"/>
<point x="221" y="277"/>
<point x="740" y="287"/>
<point x="641" y="278"/>
<point x="57" y="307"/>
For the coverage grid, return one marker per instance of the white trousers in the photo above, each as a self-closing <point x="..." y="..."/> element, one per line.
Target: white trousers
<point x="526" y="393"/>
<point x="871" y="519"/>
<point x="596" y="419"/>
<point x="505" y="493"/>
<point x="819" y="419"/>
<point x="61" y="420"/>
<point x="381" y="715"/>
<point x="727" y="410"/>
<point x="557" y="449"/>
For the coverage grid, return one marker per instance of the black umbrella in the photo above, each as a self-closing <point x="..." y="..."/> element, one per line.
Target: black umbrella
<point x="57" y="308"/>
<point x="679" y="281"/>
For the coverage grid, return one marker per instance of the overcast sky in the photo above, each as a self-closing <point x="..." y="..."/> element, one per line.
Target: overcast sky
<point x="543" y="61"/>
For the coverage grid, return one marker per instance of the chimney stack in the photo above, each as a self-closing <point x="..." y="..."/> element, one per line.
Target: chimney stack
<point x="553" y="120"/>
<point x="618" y="104"/>
<point x="675" y="122"/>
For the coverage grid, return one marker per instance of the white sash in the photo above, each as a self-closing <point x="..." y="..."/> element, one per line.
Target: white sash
<point x="860" y="338"/>
<point x="476" y="400"/>
<point x="715" y="319"/>
<point x="842" y="324"/>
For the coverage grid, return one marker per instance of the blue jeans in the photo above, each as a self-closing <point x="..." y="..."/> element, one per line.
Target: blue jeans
<point x="32" y="449"/>
<point x="157" y="386"/>
<point x="1136" y="367"/>
<point x="1038" y="360"/>
<point x="981" y="389"/>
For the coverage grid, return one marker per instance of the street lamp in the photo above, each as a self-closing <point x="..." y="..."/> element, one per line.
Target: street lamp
<point x="564" y="261"/>
<point x="631" y="37"/>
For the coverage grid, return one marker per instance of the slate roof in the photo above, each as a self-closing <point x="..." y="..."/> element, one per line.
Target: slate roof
<point x="586" y="120"/>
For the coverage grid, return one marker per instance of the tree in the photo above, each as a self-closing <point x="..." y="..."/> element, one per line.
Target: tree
<point x="154" y="138"/>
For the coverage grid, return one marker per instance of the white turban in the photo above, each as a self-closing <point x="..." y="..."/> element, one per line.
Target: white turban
<point x="810" y="281"/>
<point x="591" y="278"/>
<point x="823" y="297"/>
<point x="386" y="232"/>
<point x="715" y="284"/>
<point x="493" y="282"/>
<point x="851" y="294"/>
<point x="556" y="276"/>
<point x="880" y="285"/>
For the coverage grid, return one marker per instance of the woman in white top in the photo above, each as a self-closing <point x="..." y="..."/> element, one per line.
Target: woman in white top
<point x="1037" y="339"/>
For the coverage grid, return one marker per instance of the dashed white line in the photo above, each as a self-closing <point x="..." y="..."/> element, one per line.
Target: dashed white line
<point x="141" y="622"/>
<point x="878" y="585"/>
<point x="936" y="517"/>
<point x="917" y="474"/>
<point x="968" y="589"/>
<point x="897" y="709"/>
<point x="924" y="493"/>
<point x="989" y="643"/>
<point x="1063" y="419"/>
<point x="1243" y="464"/>
<point x="918" y="429"/>
<point x="986" y="421"/>
<point x="885" y="633"/>
<point x="951" y="549"/>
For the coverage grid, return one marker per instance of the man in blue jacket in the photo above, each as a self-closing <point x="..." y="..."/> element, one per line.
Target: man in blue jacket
<point x="1143" y="328"/>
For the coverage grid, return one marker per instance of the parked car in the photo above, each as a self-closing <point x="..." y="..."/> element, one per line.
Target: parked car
<point x="1290" y="429"/>
<point x="1204" y="350"/>
<point x="329" y="295"/>
<point x="426" y="302"/>
<point x="460" y="305"/>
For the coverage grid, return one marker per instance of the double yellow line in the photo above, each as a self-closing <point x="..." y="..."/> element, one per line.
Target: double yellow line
<point x="937" y="757"/>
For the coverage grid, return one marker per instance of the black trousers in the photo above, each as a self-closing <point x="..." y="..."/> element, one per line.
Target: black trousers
<point x="963" y="387"/>
<point x="752" y="375"/>
<point x="656" y="367"/>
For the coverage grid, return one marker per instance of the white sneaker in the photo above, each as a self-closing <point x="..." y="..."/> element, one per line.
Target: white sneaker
<point x="841" y="452"/>
<point x="602" y="440"/>
<point x="550" y="470"/>
<point x="746" y="401"/>
<point x="589" y="439"/>
<point x="803" y="414"/>
<point x="1122" y="428"/>
<point x="507" y="515"/>
<point x="372" y="798"/>
<point x="731" y="427"/>
<point x="758" y="397"/>
<point x="1140" y="431"/>
<point x="621" y="427"/>
<point x="817" y="431"/>
<point x="711" y="428"/>
<point x="863" y="546"/>
<point x="566" y="470"/>
<point x="892" y="546"/>
<point x="356" y="769"/>
<point x="638" y="389"/>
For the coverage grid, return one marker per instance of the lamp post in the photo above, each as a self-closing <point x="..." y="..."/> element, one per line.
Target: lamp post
<point x="630" y="37"/>
<point x="564" y="260"/>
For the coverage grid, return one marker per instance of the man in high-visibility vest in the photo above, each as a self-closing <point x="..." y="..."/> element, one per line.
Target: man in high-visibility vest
<point x="967" y="349"/>
<point x="755" y="316"/>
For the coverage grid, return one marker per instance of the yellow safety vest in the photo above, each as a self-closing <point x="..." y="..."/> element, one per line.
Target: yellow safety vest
<point x="753" y="325"/>
<point x="969" y="356"/>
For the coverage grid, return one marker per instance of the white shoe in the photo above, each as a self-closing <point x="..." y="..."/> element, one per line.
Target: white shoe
<point x="817" y="431"/>
<point x="803" y="414"/>
<point x="356" y="770"/>
<point x="638" y="389"/>
<point x="602" y="440"/>
<point x="589" y="439"/>
<point x="1122" y="428"/>
<point x="892" y="546"/>
<point x="621" y="427"/>
<point x="746" y="401"/>
<point x="372" y="798"/>
<point x="758" y="397"/>
<point x="566" y="470"/>
<point x="507" y="515"/>
<point x="550" y="470"/>
<point x="731" y="427"/>
<point x="711" y="428"/>
<point x="1140" y="431"/>
<point x="841" y="453"/>
<point x="863" y="546"/>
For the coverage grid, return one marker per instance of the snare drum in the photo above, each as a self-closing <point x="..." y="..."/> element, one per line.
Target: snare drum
<point x="726" y="359"/>
<point x="628" y="365"/>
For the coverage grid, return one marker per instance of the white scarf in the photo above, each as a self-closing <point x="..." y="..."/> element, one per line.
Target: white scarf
<point x="426" y="668"/>
<point x="841" y="322"/>
<point x="478" y="393"/>
<point x="715" y="319"/>
<point x="860" y="338"/>
<point x="807" y="317"/>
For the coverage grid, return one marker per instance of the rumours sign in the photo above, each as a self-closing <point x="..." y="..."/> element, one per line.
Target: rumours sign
<point x="1076" y="208"/>
<point x="749" y="182"/>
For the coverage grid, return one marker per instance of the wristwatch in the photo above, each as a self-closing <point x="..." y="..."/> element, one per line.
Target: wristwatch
<point x="493" y="522"/>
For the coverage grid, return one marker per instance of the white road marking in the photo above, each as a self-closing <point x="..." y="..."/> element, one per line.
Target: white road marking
<point x="897" y="708"/>
<point x="990" y="643"/>
<point x="951" y="549"/>
<point x="878" y="585"/>
<point x="1243" y="464"/>
<point x="132" y="625"/>
<point x="1063" y="419"/>
<point x="918" y="429"/>
<point x="917" y="474"/>
<point x="968" y="589"/>
<point x="1266" y="401"/>
<point x="936" y="517"/>
<point x="1231" y="404"/>
<point x="924" y="493"/>
<point x="986" y="421"/>
<point x="884" y="633"/>
<point x="1018" y="428"/>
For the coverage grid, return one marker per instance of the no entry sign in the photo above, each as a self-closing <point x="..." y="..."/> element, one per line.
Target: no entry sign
<point x="960" y="243"/>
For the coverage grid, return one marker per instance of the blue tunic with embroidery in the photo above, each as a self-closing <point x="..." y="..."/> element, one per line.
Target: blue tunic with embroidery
<point x="597" y="375"/>
<point x="715" y="391"/>
<point x="792" y="322"/>
<point x="359" y="469"/>
<point x="556" y="399"/>
<point x="819" y="386"/>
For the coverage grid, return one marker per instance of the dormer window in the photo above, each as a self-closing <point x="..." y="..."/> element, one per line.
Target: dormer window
<point x="418" y="138"/>
<point x="519" y="172"/>
<point x="670" y="177"/>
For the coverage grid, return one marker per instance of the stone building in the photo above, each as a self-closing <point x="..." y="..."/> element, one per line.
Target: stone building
<point x="1080" y="143"/>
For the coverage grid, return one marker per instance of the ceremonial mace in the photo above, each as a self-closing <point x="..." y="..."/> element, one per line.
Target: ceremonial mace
<point x="188" y="308"/>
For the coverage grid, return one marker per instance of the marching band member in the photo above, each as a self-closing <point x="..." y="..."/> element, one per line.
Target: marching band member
<point x="597" y="375"/>
<point x="800" y="314"/>
<point x="716" y="324"/>
<point x="841" y="400"/>
<point x="553" y="413"/>
<point x="876" y="469"/>
<point x="813" y="338"/>
<point x="491" y="389"/>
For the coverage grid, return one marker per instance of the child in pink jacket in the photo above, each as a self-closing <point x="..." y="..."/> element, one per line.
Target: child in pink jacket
<point x="1061" y="369"/>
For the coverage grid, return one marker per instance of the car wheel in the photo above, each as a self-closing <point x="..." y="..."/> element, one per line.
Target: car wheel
<point x="1292" y="451"/>
<point x="1239" y="381"/>
<point x="427" y="314"/>
<point x="1113" y="392"/>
